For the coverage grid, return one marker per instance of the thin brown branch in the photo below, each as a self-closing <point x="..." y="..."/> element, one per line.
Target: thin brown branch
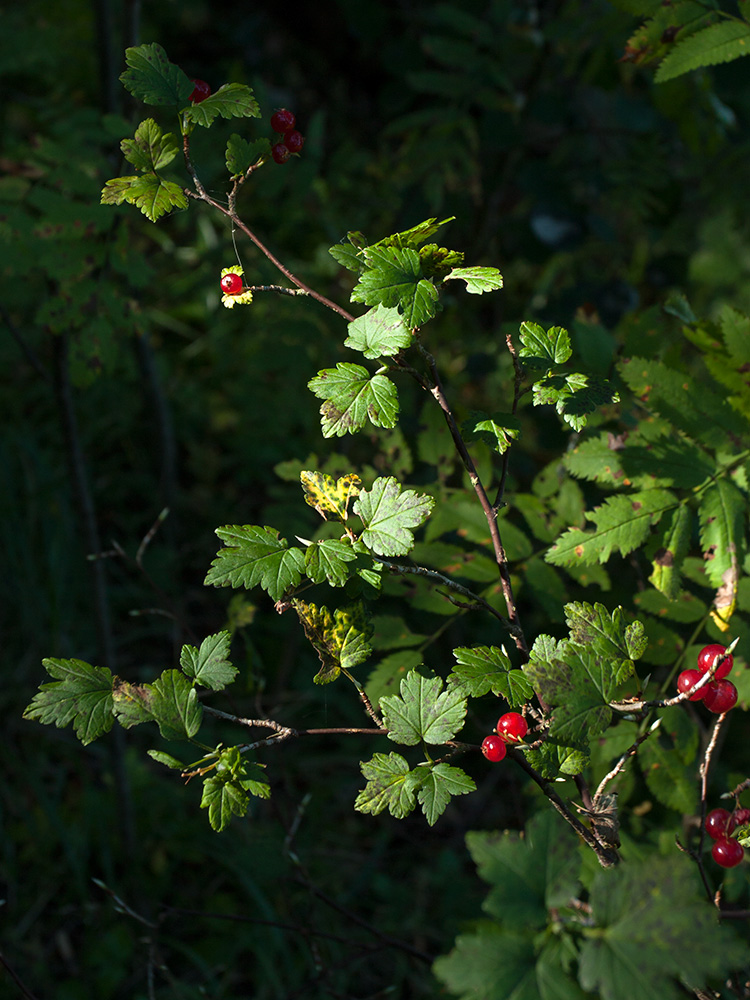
<point x="608" y="856"/>
<point x="27" y="352"/>
<point x="21" y="985"/>
<point x="231" y="214"/>
<point x="431" y="574"/>
<point x="490" y="512"/>
<point x="517" y="380"/>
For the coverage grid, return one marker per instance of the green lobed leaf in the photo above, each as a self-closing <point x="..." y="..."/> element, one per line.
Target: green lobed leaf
<point x="491" y="963"/>
<point x="255" y="555"/>
<point x="574" y="395"/>
<point x="499" y="431"/>
<point x="388" y="786"/>
<point x="436" y="785"/>
<point x="722" y="515"/>
<point x="578" y="683"/>
<point x="210" y="665"/>
<point x="241" y="154"/>
<point x="348" y="256"/>
<point x="328" y="559"/>
<point x="152" y="195"/>
<point x="623" y="523"/>
<point x="233" y="100"/>
<point x="714" y="44"/>
<point x="437" y="261"/>
<point x="380" y="332"/>
<point x="607" y="634"/>
<point x="413" y="237"/>
<point x="389" y="514"/>
<point x="482" y="669"/>
<point x="352" y="397"/>
<point x="653" y="931"/>
<point x="422" y="711"/>
<point x="341" y="639"/>
<point x="542" y="348"/>
<point x="175" y="706"/>
<point x="536" y="871"/>
<point x="669" y="557"/>
<point x="478" y="279"/>
<point x="80" y="694"/>
<point x="131" y="703"/>
<point x="394" y="277"/>
<point x="227" y="790"/>
<point x="554" y="757"/>
<point x="150" y="149"/>
<point x="153" y="79"/>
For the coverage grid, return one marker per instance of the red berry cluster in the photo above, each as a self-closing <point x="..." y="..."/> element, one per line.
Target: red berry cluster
<point x="282" y="122"/>
<point x="201" y="91"/>
<point x="719" y="695"/>
<point x="510" y="728"/>
<point x="720" y="825"/>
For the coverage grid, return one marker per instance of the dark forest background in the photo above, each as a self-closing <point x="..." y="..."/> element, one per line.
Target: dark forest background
<point x="125" y="388"/>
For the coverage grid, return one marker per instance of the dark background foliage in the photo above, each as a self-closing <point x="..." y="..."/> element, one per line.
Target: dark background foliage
<point x="595" y="193"/>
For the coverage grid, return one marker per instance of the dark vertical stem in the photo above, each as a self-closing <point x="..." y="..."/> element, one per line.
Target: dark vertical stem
<point x="85" y="509"/>
<point x="163" y="418"/>
<point x="132" y="22"/>
<point x="160" y="411"/>
<point x="108" y="86"/>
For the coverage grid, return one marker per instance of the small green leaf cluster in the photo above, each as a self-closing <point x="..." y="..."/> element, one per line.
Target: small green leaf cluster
<point x="573" y="394"/>
<point x="579" y="678"/>
<point x="256" y="555"/>
<point x="154" y="80"/>
<point x="91" y="698"/>
<point x="422" y="713"/>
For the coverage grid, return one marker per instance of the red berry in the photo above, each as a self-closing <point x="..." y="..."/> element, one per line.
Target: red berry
<point x="717" y="824"/>
<point x="493" y="748"/>
<point x="231" y="284"/>
<point x="688" y="679"/>
<point x="294" y="141"/>
<point x="282" y="121"/>
<point x="280" y="153"/>
<point x="201" y="91"/>
<point x="512" y="727"/>
<point x="740" y="817"/>
<point x="727" y="852"/>
<point x="720" y="696"/>
<point x="706" y="659"/>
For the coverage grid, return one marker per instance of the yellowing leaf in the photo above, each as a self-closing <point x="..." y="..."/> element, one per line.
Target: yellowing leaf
<point x="329" y="497"/>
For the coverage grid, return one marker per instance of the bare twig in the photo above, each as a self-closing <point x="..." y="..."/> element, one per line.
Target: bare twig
<point x="27" y="352"/>
<point x="21" y="985"/>
<point x="607" y="856"/>
<point x="431" y="574"/>
<point x="281" y="732"/>
<point x="630" y="752"/>
<point x="230" y="212"/>
<point x="490" y="512"/>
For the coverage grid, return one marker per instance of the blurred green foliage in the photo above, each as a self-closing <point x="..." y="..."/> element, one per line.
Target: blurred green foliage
<point x="593" y="190"/>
